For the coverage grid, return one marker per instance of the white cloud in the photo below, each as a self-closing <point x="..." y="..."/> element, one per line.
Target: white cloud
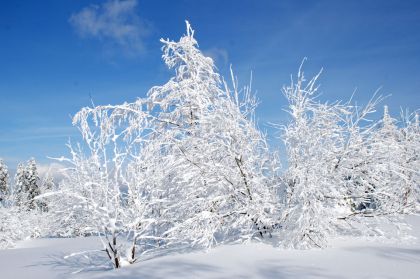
<point x="31" y="133"/>
<point x="115" y="21"/>
<point x="54" y="170"/>
<point x="219" y="55"/>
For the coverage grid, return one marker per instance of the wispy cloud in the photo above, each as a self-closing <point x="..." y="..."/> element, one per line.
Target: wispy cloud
<point x="115" y="22"/>
<point x="54" y="170"/>
<point x="219" y="55"/>
<point x="38" y="133"/>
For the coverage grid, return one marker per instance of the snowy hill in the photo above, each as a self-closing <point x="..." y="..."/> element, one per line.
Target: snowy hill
<point x="346" y="258"/>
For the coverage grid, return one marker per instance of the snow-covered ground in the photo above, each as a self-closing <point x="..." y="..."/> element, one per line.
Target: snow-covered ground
<point x="346" y="258"/>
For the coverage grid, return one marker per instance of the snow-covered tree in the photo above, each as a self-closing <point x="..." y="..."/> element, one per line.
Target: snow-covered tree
<point x="4" y="182"/>
<point x="11" y="229"/>
<point x="33" y="181"/>
<point x="410" y="145"/>
<point x="382" y="177"/>
<point x="96" y="185"/>
<point x="185" y="164"/>
<point x="314" y="140"/>
<point x="211" y="155"/>
<point x="27" y="185"/>
<point x="17" y="225"/>
<point x="386" y="167"/>
<point x="19" y="219"/>
<point x="46" y="186"/>
<point x="338" y="165"/>
<point x="188" y="166"/>
<point x="20" y="186"/>
<point x="47" y="183"/>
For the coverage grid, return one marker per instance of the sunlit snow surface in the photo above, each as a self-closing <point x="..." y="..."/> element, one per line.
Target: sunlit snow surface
<point x="346" y="258"/>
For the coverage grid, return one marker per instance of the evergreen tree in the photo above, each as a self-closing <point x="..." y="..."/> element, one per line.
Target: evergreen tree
<point x="410" y="138"/>
<point x="381" y="167"/>
<point x="4" y="181"/>
<point x="46" y="186"/>
<point x="33" y="180"/>
<point x="27" y="185"/>
<point x="48" y="183"/>
<point x="390" y="152"/>
<point x="20" y="189"/>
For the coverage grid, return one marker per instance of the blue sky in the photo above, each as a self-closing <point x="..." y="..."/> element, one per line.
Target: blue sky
<point x="57" y="55"/>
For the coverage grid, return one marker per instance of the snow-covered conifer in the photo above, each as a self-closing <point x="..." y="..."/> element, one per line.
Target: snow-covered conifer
<point x="410" y="141"/>
<point x="33" y="181"/>
<point x="4" y="182"/>
<point x="46" y="185"/>
<point x="387" y="166"/>
<point x="21" y="186"/>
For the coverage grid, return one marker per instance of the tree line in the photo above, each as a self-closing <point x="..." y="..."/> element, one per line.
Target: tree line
<point x="26" y="186"/>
